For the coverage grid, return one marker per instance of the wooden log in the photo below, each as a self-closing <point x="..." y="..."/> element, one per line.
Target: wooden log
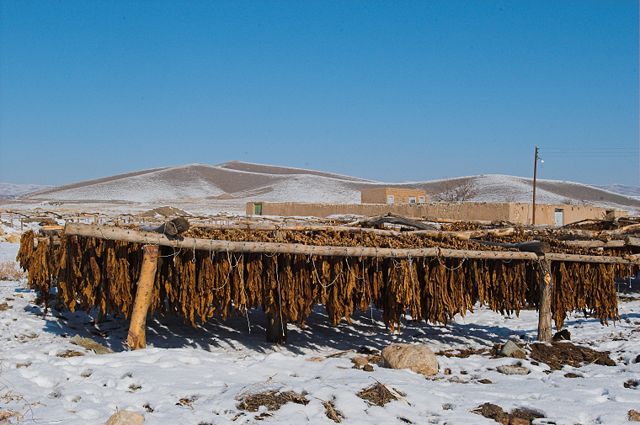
<point x="602" y="259"/>
<point x="51" y="229"/>
<point x="583" y="222"/>
<point x="573" y="233"/>
<point x="578" y="243"/>
<point x="614" y="243"/>
<point x="633" y="228"/>
<point x="303" y="228"/>
<point x="136" y="338"/>
<point x="626" y="229"/>
<point x="544" y="307"/>
<point x="465" y="234"/>
<point x="538" y="247"/>
<point x="632" y="241"/>
<point x="131" y="235"/>
<point x="393" y="219"/>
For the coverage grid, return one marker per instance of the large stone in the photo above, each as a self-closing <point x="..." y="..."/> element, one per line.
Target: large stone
<point x="513" y="370"/>
<point x="563" y="335"/>
<point x="416" y="357"/>
<point x="125" y="417"/>
<point x="511" y="349"/>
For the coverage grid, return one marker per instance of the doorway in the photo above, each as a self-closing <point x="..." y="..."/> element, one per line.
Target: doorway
<point x="559" y="217"/>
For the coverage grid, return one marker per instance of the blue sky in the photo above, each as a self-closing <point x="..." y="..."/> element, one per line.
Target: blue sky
<point x="387" y="90"/>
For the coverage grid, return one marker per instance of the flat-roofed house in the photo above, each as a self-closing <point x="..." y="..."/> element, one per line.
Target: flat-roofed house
<point x="393" y="195"/>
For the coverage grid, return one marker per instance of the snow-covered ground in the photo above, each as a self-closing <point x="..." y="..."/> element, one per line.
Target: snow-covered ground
<point x="195" y="376"/>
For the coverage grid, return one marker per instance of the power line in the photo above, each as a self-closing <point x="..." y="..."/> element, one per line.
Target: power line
<point x="604" y="152"/>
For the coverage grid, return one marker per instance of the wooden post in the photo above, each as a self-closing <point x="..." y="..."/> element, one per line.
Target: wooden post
<point x="544" y="307"/>
<point x="136" y="338"/>
<point x="535" y="173"/>
<point x="276" y="329"/>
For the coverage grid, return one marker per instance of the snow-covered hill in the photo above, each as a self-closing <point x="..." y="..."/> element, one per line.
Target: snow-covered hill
<point x="12" y="190"/>
<point x="240" y="182"/>
<point x="623" y="189"/>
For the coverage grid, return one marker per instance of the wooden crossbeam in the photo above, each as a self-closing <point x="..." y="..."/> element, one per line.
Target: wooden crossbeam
<point x="143" y="237"/>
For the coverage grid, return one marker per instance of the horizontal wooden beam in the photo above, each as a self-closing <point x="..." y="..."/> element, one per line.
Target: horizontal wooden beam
<point x="138" y="236"/>
<point x="596" y="243"/>
<point x="602" y="259"/>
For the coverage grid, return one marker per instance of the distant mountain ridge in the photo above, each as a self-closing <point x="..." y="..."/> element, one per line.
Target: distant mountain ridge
<point x="240" y="182"/>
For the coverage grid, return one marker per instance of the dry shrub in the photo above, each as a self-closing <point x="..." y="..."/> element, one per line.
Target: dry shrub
<point x="5" y="415"/>
<point x="186" y="401"/>
<point x="331" y="412"/>
<point x="11" y="238"/>
<point x="519" y="415"/>
<point x="69" y="353"/>
<point x="492" y="411"/>
<point x="9" y="271"/>
<point x="454" y="192"/>
<point x="377" y="394"/>
<point x="272" y="400"/>
<point x="463" y="353"/>
<point x="558" y="354"/>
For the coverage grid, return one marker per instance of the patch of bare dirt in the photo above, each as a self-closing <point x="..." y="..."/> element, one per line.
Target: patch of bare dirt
<point x="272" y="400"/>
<point x="558" y="354"/>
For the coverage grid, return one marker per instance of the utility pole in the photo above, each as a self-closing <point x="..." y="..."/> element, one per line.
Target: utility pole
<point x="535" y="174"/>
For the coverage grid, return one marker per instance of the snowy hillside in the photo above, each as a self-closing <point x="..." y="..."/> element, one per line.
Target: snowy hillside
<point x="12" y="190"/>
<point x="624" y="189"/>
<point x="239" y="182"/>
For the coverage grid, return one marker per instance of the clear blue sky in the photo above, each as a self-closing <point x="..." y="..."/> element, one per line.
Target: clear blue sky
<point x="386" y="90"/>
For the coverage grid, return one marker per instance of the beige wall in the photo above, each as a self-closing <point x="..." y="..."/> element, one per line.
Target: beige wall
<point x="378" y="195"/>
<point x="545" y="214"/>
<point x="512" y="212"/>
